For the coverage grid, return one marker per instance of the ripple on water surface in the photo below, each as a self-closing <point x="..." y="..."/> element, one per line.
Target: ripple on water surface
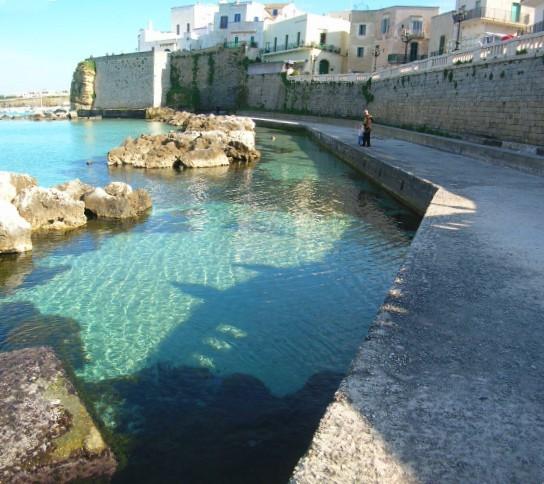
<point x="261" y="280"/>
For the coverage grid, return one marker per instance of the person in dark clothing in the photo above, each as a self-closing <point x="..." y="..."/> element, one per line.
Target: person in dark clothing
<point x="367" y="127"/>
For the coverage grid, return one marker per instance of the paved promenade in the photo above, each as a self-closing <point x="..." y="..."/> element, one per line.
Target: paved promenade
<point x="449" y="384"/>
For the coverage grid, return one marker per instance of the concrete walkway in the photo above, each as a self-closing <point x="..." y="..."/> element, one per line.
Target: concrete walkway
<point x="449" y="384"/>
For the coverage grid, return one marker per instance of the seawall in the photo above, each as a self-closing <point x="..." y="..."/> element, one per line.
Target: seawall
<point x="447" y="385"/>
<point x="496" y="101"/>
<point x="131" y="81"/>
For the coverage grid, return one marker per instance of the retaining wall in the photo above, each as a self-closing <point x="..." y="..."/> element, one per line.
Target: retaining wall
<point x="499" y="101"/>
<point x="208" y="79"/>
<point x="131" y="81"/>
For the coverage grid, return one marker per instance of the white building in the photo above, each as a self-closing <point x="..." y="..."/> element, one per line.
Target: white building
<point x="317" y="44"/>
<point x="188" y="23"/>
<point x="480" y="22"/>
<point x="151" y="39"/>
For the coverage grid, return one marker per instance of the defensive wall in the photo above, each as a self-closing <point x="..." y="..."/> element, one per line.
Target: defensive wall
<point x="493" y="102"/>
<point x="497" y="101"/>
<point x="131" y="81"/>
<point x="208" y="79"/>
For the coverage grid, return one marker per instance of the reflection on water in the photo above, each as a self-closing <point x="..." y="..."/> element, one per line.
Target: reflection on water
<point x="208" y="337"/>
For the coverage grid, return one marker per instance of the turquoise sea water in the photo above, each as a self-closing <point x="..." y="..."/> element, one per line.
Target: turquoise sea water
<point x="212" y="333"/>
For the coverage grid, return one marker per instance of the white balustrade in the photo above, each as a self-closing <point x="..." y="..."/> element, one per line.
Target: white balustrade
<point x="519" y="47"/>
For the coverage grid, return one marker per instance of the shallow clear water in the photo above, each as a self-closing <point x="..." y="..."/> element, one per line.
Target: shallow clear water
<point x="216" y="329"/>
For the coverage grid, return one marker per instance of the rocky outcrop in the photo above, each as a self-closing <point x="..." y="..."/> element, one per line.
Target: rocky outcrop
<point x="27" y="208"/>
<point x="47" y="433"/>
<point x="203" y="141"/>
<point x="15" y="231"/>
<point x="117" y="201"/>
<point x="82" y="89"/>
<point x="50" y="209"/>
<point x="75" y="188"/>
<point x="11" y="184"/>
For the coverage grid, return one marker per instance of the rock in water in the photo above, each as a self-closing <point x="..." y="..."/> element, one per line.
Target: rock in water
<point x="75" y="188"/>
<point x="15" y="231"/>
<point x="50" y="209"/>
<point x="82" y="88"/>
<point x="117" y="201"/>
<point x="204" y="141"/>
<point x="47" y="434"/>
<point x="11" y="184"/>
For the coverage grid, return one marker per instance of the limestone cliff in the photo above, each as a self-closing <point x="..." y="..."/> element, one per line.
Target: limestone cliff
<point x="82" y="90"/>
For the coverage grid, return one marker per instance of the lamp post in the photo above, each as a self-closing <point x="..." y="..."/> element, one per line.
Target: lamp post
<point x="405" y="37"/>
<point x="458" y="17"/>
<point x="376" y="53"/>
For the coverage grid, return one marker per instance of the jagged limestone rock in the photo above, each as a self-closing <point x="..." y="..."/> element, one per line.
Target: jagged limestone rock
<point x="117" y="201"/>
<point x="82" y="92"/>
<point x="203" y="141"/>
<point x="11" y="184"/>
<point x="47" y="434"/>
<point x="49" y="209"/>
<point x="15" y="231"/>
<point x="75" y="188"/>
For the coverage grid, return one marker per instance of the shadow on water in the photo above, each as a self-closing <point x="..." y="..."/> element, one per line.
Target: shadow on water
<point x="24" y="270"/>
<point x="22" y="325"/>
<point x="188" y="425"/>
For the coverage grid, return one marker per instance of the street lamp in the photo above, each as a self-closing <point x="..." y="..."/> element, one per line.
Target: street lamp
<point x="458" y="17"/>
<point x="376" y="53"/>
<point x="405" y="36"/>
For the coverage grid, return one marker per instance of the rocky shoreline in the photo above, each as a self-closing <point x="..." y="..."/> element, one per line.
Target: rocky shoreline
<point x="200" y="141"/>
<point x="47" y="434"/>
<point x="26" y="208"/>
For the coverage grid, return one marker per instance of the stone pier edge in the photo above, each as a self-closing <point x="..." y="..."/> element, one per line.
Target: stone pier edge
<point x="338" y="421"/>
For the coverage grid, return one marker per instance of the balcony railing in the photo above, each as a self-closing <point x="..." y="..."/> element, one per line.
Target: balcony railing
<point x="401" y="59"/>
<point x="529" y="45"/>
<point x="495" y="14"/>
<point x="533" y="29"/>
<point x="235" y="45"/>
<point x="301" y="45"/>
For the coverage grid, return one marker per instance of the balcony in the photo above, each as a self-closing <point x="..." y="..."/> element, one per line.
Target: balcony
<point x="533" y="29"/>
<point x="494" y="15"/>
<point x="395" y="59"/>
<point x="301" y="45"/>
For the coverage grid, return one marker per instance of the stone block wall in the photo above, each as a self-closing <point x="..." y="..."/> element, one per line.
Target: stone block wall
<point x="499" y="100"/>
<point x="208" y="79"/>
<point x="124" y="81"/>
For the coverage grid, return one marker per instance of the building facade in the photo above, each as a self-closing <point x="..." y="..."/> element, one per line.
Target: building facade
<point x="481" y="22"/>
<point x="316" y="44"/>
<point x="388" y="36"/>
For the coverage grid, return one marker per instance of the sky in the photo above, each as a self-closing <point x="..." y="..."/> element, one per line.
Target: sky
<point x="41" y="41"/>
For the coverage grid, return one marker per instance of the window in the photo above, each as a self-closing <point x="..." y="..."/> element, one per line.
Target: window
<point x="322" y="38"/>
<point x="237" y="17"/>
<point x="417" y="26"/>
<point x="442" y="45"/>
<point x="360" y="51"/>
<point x="275" y="44"/>
<point x="223" y="22"/>
<point x="235" y="40"/>
<point x="516" y="11"/>
<point x="275" y="12"/>
<point x="362" y="30"/>
<point x="255" y="19"/>
<point x="385" y="25"/>
<point x="478" y="4"/>
<point x="286" y="42"/>
<point x="178" y="30"/>
<point x="188" y="28"/>
<point x="298" y="39"/>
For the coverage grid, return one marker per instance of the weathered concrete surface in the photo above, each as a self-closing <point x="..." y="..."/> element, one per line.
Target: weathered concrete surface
<point x="448" y="385"/>
<point x="46" y="435"/>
